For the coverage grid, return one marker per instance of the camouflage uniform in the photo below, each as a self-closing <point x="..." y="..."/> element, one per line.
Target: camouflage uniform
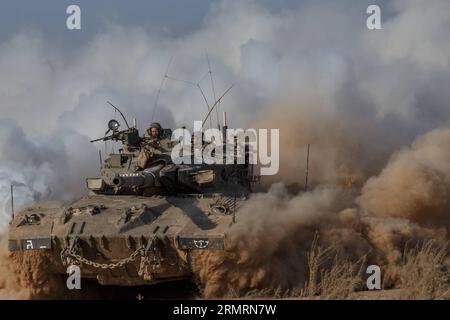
<point x="154" y="147"/>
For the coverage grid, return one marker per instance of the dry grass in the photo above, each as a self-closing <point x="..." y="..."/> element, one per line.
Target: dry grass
<point x="330" y="275"/>
<point x="422" y="274"/>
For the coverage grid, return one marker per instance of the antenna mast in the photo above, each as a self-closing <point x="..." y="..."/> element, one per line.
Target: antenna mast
<point x="155" y="105"/>
<point x="197" y="85"/>
<point x="307" y="168"/>
<point x="100" y="158"/>
<point x="215" y="104"/>
<point x="12" y="202"/>
<point x="206" y="101"/>
<point x="117" y="109"/>
<point x="213" y="89"/>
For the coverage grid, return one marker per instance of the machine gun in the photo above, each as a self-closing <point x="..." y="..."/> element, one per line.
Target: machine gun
<point x="129" y="137"/>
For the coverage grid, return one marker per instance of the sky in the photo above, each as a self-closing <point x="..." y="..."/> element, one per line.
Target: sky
<point x="173" y="17"/>
<point x="169" y="17"/>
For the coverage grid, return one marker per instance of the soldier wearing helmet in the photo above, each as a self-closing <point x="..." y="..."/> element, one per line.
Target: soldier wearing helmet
<point x="154" y="131"/>
<point x="156" y="145"/>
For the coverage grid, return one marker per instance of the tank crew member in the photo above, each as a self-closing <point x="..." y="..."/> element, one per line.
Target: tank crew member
<point x="154" y="131"/>
<point x="157" y="144"/>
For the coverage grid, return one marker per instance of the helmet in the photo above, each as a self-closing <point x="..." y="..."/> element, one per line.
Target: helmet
<point x="155" y="125"/>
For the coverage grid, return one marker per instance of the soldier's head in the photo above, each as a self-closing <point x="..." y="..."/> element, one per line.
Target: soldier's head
<point x="155" y="130"/>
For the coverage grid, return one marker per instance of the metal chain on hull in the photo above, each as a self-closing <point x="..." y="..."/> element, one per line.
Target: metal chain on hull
<point x="69" y="256"/>
<point x="110" y="266"/>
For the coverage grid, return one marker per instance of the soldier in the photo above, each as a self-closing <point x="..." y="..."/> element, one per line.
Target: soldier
<point x="154" y="131"/>
<point x="155" y="146"/>
<point x="151" y="145"/>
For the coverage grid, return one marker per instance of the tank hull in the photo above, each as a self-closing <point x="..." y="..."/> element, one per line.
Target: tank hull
<point x="123" y="240"/>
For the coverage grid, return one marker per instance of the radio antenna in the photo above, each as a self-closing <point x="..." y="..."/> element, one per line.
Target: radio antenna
<point x="100" y="158"/>
<point x="117" y="109"/>
<point x="215" y="104"/>
<point x="155" y="105"/>
<point x="197" y="85"/>
<point x="12" y="202"/>
<point x="213" y="88"/>
<point x="307" y="168"/>
<point x="206" y="101"/>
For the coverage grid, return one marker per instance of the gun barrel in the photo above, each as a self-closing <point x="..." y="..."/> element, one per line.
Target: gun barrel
<point x="95" y="140"/>
<point x="106" y="138"/>
<point x="142" y="179"/>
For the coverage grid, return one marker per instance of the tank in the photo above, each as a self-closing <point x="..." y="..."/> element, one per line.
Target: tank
<point x="138" y="224"/>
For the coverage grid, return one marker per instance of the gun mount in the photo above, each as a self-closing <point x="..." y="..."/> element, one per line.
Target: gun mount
<point x="129" y="137"/>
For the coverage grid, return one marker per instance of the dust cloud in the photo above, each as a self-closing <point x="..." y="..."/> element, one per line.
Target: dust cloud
<point x="10" y="286"/>
<point x="403" y="206"/>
